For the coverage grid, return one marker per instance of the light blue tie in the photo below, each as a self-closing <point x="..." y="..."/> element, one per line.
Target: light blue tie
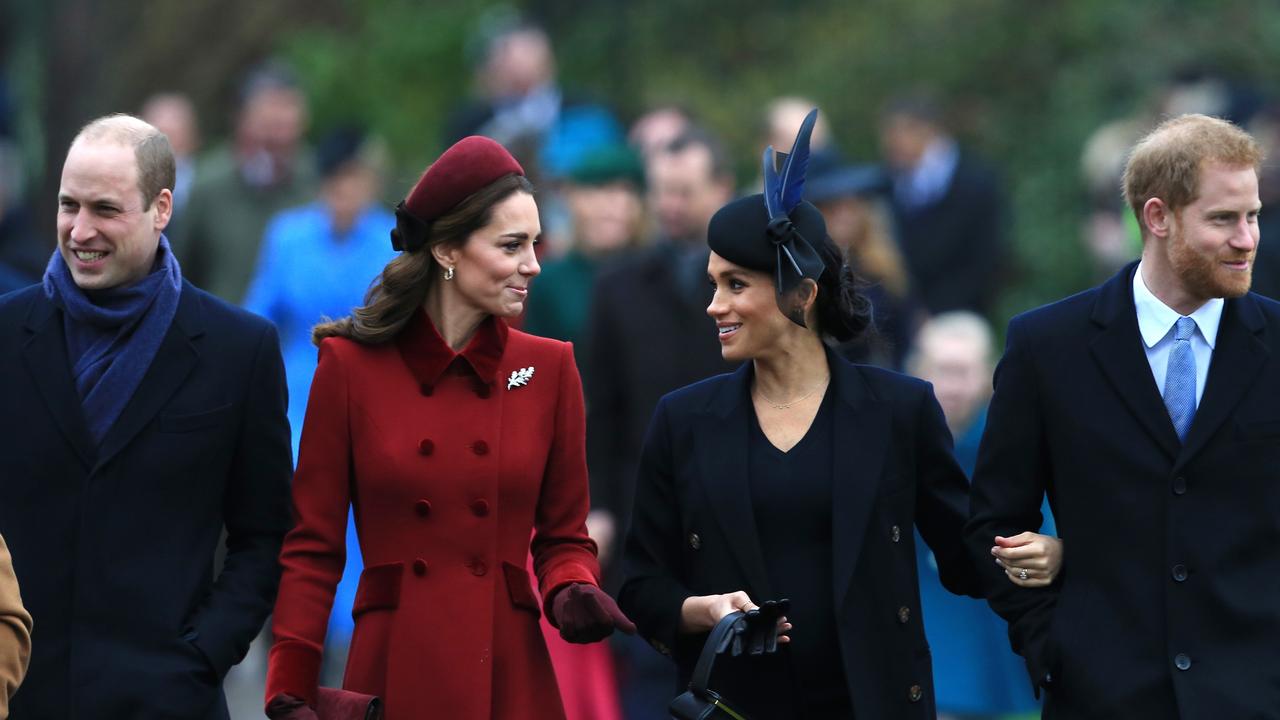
<point x="1180" y="378"/>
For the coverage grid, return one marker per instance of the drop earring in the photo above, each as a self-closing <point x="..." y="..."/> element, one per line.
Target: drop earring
<point x="448" y="273"/>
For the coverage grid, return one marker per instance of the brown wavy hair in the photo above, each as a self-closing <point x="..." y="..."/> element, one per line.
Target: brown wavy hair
<point x="402" y="286"/>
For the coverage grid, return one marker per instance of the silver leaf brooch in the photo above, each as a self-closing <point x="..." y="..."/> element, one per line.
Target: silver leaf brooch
<point x="520" y="378"/>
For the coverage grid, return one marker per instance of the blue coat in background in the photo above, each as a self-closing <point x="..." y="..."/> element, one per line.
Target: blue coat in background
<point x="306" y="273"/>
<point x="974" y="669"/>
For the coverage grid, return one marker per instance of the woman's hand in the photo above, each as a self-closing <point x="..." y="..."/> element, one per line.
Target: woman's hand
<point x="586" y="614"/>
<point x="1029" y="559"/>
<point x="700" y="613"/>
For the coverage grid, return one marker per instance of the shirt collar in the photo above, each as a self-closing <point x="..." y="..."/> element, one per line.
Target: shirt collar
<point x="1155" y="319"/>
<point x="429" y="356"/>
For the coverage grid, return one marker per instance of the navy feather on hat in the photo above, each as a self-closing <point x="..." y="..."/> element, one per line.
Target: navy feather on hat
<point x="775" y="231"/>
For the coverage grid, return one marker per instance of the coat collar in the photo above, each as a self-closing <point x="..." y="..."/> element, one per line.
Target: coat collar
<point x="1239" y="355"/>
<point x="429" y="356"/>
<point x="45" y="354"/>
<point x="724" y="434"/>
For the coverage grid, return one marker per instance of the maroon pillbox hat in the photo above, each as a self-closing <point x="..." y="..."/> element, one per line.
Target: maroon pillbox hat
<point x="471" y="164"/>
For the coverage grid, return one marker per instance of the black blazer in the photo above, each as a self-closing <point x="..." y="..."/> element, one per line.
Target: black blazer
<point x="693" y="529"/>
<point x="1169" y="601"/>
<point x="115" y="544"/>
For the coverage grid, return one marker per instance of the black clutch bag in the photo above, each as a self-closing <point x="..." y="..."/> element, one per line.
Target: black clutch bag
<point x="334" y="704"/>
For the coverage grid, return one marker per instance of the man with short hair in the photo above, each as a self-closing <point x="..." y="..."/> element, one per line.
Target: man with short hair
<point x="239" y="187"/>
<point x="144" y="416"/>
<point x="1146" y="409"/>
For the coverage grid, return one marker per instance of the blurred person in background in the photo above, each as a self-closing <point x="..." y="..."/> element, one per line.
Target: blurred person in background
<point x="975" y="674"/>
<point x="653" y="131"/>
<point x="240" y="186"/>
<point x="15" y="632"/>
<point x="315" y="264"/>
<point x="648" y="304"/>
<point x="18" y="248"/>
<point x="852" y="199"/>
<point x="948" y="208"/>
<point x="604" y="196"/>
<point x="175" y="115"/>
<point x="521" y="104"/>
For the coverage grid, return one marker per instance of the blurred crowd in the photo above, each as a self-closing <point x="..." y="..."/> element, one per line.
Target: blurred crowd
<point x="294" y="225"/>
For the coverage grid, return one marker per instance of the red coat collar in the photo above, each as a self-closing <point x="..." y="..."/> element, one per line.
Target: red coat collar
<point x="429" y="356"/>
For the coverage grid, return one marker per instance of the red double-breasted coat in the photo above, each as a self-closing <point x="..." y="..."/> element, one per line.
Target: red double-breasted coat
<point x="451" y="461"/>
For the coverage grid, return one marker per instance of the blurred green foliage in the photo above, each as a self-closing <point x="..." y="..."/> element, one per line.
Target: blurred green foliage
<point x="1025" y="82"/>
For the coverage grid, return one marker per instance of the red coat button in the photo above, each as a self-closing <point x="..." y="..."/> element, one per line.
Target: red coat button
<point x="426" y="447"/>
<point x="478" y="568"/>
<point x="480" y="447"/>
<point x="482" y="390"/>
<point x="422" y="507"/>
<point x="419" y="567"/>
<point x="480" y="507"/>
<point x="426" y="389"/>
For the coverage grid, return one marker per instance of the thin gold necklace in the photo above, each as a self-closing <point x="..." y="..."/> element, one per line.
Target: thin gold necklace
<point x="802" y="398"/>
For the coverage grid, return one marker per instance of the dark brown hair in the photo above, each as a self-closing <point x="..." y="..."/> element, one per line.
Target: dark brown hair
<point x="401" y="288"/>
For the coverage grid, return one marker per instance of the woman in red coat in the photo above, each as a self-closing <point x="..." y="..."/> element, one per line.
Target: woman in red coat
<point x="455" y="439"/>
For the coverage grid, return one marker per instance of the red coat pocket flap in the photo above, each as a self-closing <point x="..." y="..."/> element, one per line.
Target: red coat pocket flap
<point x="379" y="588"/>
<point x="519" y="589"/>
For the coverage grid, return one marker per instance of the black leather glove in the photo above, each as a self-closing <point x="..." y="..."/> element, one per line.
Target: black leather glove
<point x="756" y="632"/>
<point x="586" y="614"/>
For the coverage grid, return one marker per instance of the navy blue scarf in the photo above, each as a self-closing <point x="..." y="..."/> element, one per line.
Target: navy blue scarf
<point x="113" y="334"/>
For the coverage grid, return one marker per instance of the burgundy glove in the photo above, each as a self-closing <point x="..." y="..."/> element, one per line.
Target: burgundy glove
<point x="288" y="707"/>
<point x="586" y="614"/>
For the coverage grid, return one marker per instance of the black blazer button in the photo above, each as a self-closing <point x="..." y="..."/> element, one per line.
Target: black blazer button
<point x="904" y="614"/>
<point x="915" y="694"/>
<point x="1182" y="661"/>
<point x="895" y="533"/>
<point x="1180" y="573"/>
<point x="695" y="542"/>
<point x="1179" y="485"/>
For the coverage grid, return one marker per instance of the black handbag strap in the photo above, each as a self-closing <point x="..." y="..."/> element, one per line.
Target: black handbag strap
<point x="702" y="671"/>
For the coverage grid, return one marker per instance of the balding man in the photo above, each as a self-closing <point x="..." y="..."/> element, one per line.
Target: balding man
<point x="144" y="416"/>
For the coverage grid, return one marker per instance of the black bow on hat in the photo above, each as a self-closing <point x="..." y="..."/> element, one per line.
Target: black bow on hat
<point x="783" y="191"/>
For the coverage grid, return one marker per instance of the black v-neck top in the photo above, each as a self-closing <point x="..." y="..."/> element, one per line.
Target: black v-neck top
<point x="791" y="495"/>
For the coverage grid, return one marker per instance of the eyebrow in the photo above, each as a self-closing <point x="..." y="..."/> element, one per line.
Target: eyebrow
<point x="64" y="197"/>
<point x="518" y="235"/>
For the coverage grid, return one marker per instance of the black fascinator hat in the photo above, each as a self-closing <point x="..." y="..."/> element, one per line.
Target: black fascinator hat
<point x="776" y="231"/>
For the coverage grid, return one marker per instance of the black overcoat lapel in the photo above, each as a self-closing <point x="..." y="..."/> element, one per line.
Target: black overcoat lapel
<point x="174" y="361"/>
<point x="723" y="438"/>
<point x="1118" y="350"/>
<point x="861" y="438"/>
<point x="45" y="357"/>
<point x="1239" y="355"/>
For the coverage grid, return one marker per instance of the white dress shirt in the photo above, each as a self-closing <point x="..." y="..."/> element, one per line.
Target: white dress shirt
<point x="1155" y="324"/>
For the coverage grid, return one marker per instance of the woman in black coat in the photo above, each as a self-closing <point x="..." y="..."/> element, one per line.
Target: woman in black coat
<point x="799" y="476"/>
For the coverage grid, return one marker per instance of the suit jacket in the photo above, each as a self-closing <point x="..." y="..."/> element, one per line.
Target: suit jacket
<point x="955" y="247"/>
<point x="647" y="334"/>
<point x="450" y="467"/>
<point x="1168" y="604"/>
<point x="15" y="632"/>
<point x="694" y="533"/>
<point x="115" y="544"/>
